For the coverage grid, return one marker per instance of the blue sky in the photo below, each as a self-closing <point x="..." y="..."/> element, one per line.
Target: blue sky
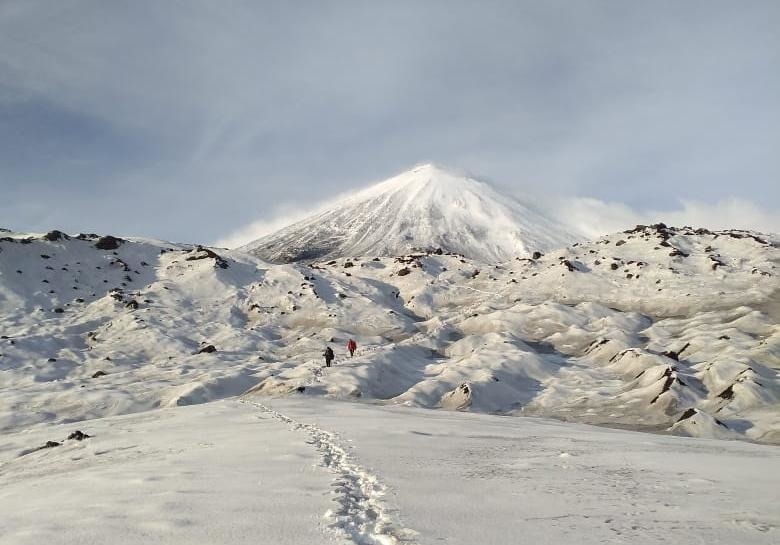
<point x="189" y="120"/>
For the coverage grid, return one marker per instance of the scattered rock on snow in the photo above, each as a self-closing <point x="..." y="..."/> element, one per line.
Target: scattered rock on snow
<point x="55" y="235"/>
<point x="204" y="253"/>
<point x="108" y="243"/>
<point x="687" y="414"/>
<point x="675" y="355"/>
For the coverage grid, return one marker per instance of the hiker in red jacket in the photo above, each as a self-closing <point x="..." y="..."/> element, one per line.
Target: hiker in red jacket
<point x="351" y="346"/>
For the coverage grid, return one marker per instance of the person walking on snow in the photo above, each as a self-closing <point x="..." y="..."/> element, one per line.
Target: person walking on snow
<point x="328" y="355"/>
<point x="351" y="346"/>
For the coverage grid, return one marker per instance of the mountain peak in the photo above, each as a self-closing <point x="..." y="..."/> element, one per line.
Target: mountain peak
<point x="426" y="167"/>
<point x="427" y="174"/>
<point x="434" y="170"/>
<point x="428" y="206"/>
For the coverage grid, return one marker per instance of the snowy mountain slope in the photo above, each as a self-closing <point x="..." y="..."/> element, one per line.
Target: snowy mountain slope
<point x="425" y="208"/>
<point x="656" y="328"/>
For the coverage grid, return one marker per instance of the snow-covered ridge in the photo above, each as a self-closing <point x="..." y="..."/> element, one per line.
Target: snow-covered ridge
<point x="654" y="328"/>
<point x="427" y="207"/>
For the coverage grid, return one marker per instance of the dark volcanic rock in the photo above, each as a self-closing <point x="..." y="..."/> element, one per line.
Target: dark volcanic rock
<point x="728" y="393"/>
<point x="669" y="379"/>
<point x="676" y="355"/>
<point x="677" y="252"/>
<point x="208" y="349"/>
<point x="55" y="235"/>
<point x="205" y="253"/>
<point x="108" y="243"/>
<point x="687" y="414"/>
<point x="78" y="435"/>
<point x="572" y="266"/>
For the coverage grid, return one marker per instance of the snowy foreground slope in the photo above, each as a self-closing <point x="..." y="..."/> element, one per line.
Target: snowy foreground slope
<point x="658" y="329"/>
<point x="304" y="471"/>
<point x="426" y="207"/>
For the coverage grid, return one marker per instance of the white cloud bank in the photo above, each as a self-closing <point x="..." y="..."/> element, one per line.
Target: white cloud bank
<point x="591" y="217"/>
<point x="594" y="217"/>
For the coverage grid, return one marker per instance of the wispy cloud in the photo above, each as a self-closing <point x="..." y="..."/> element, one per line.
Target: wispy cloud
<point x="281" y="217"/>
<point x="594" y="217"/>
<point x="227" y="109"/>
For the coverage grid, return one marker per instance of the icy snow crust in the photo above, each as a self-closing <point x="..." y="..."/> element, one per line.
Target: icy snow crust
<point x="426" y="207"/>
<point x="659" y="329"/>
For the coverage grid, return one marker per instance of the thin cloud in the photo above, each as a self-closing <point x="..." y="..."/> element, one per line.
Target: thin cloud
<point x="594" y="217"/>
<point x="281" y="217"/>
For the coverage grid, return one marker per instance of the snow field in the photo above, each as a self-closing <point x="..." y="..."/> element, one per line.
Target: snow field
<point x="206" y="474"/>
<point x="294" y="470"/>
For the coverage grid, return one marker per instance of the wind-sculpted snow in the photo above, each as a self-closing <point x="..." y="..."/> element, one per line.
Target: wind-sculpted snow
<point x="427" y="207"/>
<point x="656" y="328"/>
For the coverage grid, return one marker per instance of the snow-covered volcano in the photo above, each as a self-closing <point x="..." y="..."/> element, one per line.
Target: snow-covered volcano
<point x="425" y="208"/>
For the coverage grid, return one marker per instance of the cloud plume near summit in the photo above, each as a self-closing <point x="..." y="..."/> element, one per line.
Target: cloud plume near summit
<point x="586" y="216"/>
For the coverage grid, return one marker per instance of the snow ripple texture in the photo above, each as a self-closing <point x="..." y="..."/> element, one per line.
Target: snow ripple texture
<point x="362" y="516"/>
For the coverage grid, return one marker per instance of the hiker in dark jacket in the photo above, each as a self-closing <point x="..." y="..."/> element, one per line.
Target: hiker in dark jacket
<point x="328" y="356"/>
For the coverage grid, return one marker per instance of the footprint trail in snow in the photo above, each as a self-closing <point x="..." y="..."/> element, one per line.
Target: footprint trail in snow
<point x="362" y="514"/>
